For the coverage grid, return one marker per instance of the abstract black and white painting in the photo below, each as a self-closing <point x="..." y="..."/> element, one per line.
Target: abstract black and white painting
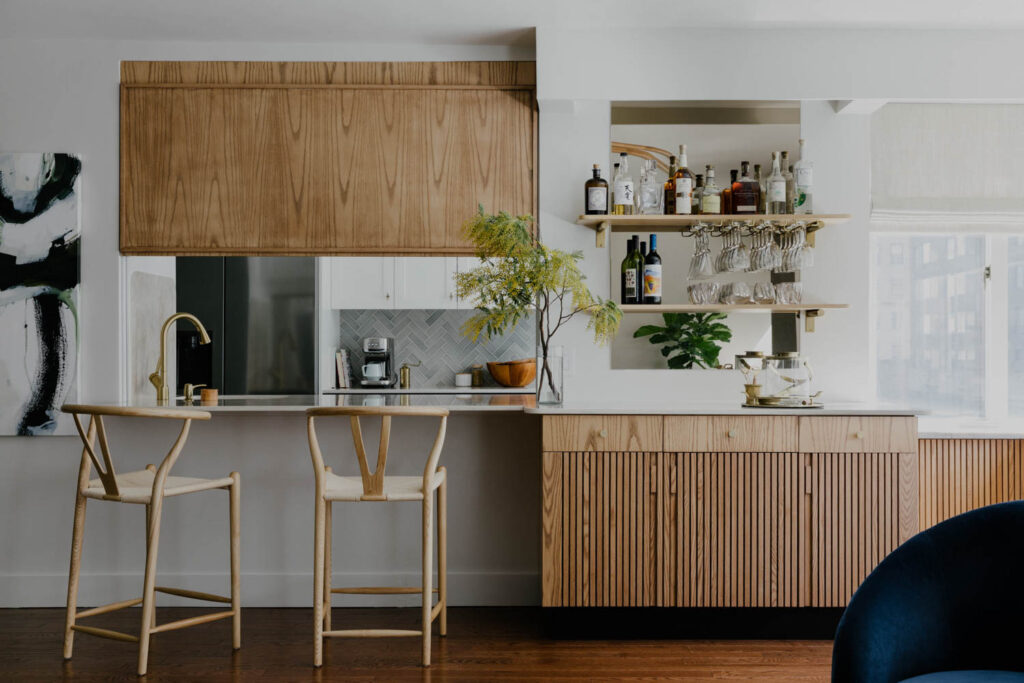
<point x="39" y="281"/>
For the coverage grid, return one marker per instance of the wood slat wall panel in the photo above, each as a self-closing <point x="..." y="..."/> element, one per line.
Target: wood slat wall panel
<point x="731" y="530"/>
<point x="958" y="475"/>
<point x="856" y="520"/>
<point x="328" y="73"/>
<point x="601" y="521"/>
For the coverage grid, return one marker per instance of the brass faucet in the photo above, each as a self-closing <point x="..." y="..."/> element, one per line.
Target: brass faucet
<point x="159" y="378"/>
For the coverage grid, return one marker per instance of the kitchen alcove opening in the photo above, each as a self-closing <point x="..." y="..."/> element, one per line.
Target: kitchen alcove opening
<point x="722" y="134"/>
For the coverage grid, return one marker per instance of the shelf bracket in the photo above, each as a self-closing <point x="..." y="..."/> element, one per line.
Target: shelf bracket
<point x="809" y="316"/>
<point x="601" y="236"/>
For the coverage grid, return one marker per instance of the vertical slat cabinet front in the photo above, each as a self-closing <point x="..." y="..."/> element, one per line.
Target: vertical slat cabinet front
<point x="958" y="475"/>
<point x="858" y="516"/>
<point x="600" y="534"/>
<point x="731" y="530"/>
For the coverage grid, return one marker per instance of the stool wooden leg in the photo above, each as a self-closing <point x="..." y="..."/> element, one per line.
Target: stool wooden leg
<point x="328" y="515"/>
<point x="77" y="536"/>
<point x="236" y="580"/>
<point x="428" y="552"/>
<point x="149" y="517"/>
<point x="148" y="595"/>
<point x="442" y="552"/>
<point x="318" y="582"/>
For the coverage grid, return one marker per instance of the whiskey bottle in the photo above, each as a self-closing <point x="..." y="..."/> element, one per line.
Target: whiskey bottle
<point x="762" y="193"/>
<point x="698" y="192"/>
<point x="776" y="188"/>
<point x="670" y="187"/>
<point x="652" y="274"/>
<point x="625" y="199"/>
<point x="684" y="183"/>
<point x="787" y="173"/>
<point x="630" y="283"/>
<point x="745" y="192"/>
<point x="804" y="172"/>
<point x="710" y="200"/>
<point x="595" y="193"/>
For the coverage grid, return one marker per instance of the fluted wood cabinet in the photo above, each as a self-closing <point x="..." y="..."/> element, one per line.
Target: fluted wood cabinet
<point x="794" y="513"/>
<point x="321" y="158"/>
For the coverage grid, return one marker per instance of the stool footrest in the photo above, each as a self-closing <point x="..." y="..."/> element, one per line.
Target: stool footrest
<point x="380" y="590"/>
<point x="372" y="633"/>
<point x="435" y="610"/>
<point x="195" y="595"/>
<point x="109" y="607"/>
<point x="192" y="621"/>
<point x="105" y="633"/>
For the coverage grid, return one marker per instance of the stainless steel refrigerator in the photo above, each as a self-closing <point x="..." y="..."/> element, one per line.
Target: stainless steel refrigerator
<point x="261" y="316"/>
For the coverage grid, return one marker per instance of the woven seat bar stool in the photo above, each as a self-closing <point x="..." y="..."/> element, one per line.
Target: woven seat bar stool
<point x="375" y="486"/>
<point x="146" y="487"/>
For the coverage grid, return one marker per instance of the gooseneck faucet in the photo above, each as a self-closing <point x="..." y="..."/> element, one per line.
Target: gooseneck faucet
<point x="159" y="378"/>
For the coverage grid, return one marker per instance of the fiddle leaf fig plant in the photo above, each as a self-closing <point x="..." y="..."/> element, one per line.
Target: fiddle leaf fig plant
<point x="519" y="274"/>
<point x="690" y="339"/>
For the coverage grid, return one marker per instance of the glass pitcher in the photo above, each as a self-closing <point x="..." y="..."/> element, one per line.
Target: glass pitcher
<point x="787" y="380"/>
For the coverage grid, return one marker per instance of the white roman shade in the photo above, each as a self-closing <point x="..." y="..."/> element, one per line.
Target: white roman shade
<point x="948" y="164"/>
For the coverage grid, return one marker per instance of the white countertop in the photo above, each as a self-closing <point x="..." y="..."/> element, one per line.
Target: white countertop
<point x="607" y="407"/>
<point x="427" y="391"/>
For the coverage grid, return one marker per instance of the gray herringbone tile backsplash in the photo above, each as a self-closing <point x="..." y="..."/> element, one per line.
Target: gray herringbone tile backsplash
<point x="433" y="337"/>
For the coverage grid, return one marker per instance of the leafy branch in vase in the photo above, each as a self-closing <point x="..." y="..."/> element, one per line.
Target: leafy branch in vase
<point x="519" y="274"/>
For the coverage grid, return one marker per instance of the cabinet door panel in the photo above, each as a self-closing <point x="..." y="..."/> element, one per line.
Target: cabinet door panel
<point x="599" y="529"/>
<point x="730" y="528"/>
<point x="361" y="282"/>
<point x="424" y="282"/>
<point x="602" y="432"/>
<point x="858" y="434"/>
<point x="730" y="433"/>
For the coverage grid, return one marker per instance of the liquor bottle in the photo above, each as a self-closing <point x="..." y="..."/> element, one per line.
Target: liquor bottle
<point x="595" y="193"/>
<point x="710" y="200"/>
<point x="652" y="274"/>
<point x="615" y="174"/>
<point x="787" y="173"/>
<point x="727" y="207"/>
<point x="630" y="284"/>
<point x="776" y="188"/>
<point x="804" y="172"/>
<point x="684" y="183"/>
<point x="698" y="192"/>
<point x="651" y="193"/>
<point x="745" y="192"/>
<point x="762" y="193"/>
<point x="670" y="187"/>
<point x="624" y="193"/>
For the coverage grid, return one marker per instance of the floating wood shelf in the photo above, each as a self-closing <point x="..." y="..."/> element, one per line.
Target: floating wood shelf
<point x="684" y="224"/>
<point x="810" y="311"/>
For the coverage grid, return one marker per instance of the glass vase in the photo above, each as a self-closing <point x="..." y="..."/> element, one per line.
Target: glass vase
<point x="550" y="388"/>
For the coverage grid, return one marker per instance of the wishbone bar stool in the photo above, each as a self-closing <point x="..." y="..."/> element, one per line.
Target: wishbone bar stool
<point x="375" y="486"/>
<point x="146" y="487"/>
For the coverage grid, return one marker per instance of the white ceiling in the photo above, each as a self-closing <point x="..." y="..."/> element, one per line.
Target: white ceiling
<point x="469" y="22"/>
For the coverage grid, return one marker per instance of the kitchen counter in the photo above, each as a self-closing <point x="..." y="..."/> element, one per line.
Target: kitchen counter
<point x="479" y="402"/>
<point x="609" y="407"/>
<point x="435" y="390"/>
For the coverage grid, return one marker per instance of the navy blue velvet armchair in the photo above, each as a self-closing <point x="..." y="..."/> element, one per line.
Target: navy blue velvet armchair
<point x="951" y="599"/>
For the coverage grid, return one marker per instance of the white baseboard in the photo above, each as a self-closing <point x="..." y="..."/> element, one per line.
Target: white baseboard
<point x="466" y="589"/>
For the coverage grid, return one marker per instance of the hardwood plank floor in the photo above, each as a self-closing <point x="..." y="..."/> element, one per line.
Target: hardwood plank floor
<point x="484" y="644"/>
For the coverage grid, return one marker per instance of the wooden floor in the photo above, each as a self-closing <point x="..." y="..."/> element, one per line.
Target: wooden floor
<point x="484" y="644"/>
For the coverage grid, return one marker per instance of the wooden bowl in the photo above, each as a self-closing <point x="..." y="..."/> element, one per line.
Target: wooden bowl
<point x="513" y="373"/>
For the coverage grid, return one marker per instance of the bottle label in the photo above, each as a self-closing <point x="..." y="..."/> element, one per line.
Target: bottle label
<point x="712" y="203"/>
<point x="684" y="195"/>
<point x="804" y="177"/>
<point x="652" y="280"/>
<point x="597" y="199"/>
<point x="777" y="190"/>
<point x="630" y="276"/>
<point x="624" y="192"/>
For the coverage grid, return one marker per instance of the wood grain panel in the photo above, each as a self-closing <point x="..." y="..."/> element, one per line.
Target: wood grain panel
<point x="855" y="520"/>
<point x="958" y="475"/>
<point x="345" y="170"/>
<point x="731" y="530"/>
<point x="600" y="524"/>
<point x="329" y="73"/>
<point x="730" y="434"/>
<point x="602" y="433"/>
<point x="858" y="434"/>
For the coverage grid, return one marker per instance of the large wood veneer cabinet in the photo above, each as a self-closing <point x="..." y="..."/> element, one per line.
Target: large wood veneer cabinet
<point x="722" y="510"/>
<point x="382" y="158"/>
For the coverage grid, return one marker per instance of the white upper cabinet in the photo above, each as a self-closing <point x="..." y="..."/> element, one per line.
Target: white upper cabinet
<point x="425" y="282"/>
<point x="362" y="282"/>
<point x="467" y="263"/>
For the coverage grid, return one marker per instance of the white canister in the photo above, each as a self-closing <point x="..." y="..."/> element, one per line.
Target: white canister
<point x="463" y="379"/>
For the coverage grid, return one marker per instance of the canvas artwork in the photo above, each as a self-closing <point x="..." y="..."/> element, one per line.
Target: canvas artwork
<point x="39" y="280"/>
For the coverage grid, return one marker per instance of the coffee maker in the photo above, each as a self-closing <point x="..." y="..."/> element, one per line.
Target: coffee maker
<point x="378" y="368"/>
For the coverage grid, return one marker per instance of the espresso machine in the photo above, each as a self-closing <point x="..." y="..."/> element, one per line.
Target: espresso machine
<point x="378" y="363"/>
